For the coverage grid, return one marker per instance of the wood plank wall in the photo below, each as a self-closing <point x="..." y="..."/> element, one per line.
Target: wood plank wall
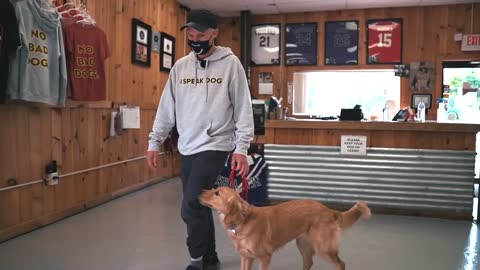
<point x="77" y="135"/>
<point x="427" y="36"/>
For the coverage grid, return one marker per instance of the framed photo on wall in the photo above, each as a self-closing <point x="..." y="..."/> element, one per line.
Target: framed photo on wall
<point x="141" y="43"/>
<point x="341" y="43"/>
<point x="300" y="44"/>
<point x="265" y="83"/>
<point x="384" y="40"/>
<point x="422" y="76"/>
<point x="266" y="44"/>
<point x="167" y="52"/>
<point x="425" y="98"/>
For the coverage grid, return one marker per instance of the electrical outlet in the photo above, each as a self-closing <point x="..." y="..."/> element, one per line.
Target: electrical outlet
<point x="52" y="179"/>
<point x="52" y="173"/>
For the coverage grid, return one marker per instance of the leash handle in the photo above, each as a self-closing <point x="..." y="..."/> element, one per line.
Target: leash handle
<point x="232" y="183"/>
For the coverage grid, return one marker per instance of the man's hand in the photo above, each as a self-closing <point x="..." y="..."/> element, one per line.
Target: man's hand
<point x="240" y="163"/>
<point x="152" y="159"/>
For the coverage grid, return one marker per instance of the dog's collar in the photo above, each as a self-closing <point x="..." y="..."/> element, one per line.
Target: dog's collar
<point x="234" y="230"/>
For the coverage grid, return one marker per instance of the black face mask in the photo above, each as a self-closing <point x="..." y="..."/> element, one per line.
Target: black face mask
<point x="200" y="47"/>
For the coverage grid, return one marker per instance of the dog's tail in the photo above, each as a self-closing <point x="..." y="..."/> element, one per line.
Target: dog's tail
<point x="349" y="217"/>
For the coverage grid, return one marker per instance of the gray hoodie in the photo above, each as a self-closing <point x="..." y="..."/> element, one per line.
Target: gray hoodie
<point x="38" y="71"/>
<point x="210" y="105"/>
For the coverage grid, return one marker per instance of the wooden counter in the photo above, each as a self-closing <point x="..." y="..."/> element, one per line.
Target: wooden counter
<point x="402" y="173"/>
<point x="416" y="135"/>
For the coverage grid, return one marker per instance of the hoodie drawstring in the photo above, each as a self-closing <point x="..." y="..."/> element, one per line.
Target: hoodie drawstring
<point x="196" y="72"/>
<point x="206" y="82"/>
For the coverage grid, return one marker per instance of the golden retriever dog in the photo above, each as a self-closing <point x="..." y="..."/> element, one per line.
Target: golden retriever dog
<point x="257" y="232"/>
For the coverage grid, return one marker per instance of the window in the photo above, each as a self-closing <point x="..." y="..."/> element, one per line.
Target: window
<point x="463" y="81"/>
<point x="325" y="93"/>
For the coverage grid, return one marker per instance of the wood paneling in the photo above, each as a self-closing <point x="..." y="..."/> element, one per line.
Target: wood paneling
<point x="427" y="36"/>
<point x="77" y="135"/>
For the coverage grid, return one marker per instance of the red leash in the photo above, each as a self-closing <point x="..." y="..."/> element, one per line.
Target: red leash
<point x="232" y="184"/>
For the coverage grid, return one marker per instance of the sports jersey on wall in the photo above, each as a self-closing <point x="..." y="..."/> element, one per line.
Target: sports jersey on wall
<point x="266" y="44"/>
<point x="341" y="43"/>
<point x="9" y="41"/>
<point x="384" y="41"/>
<point x="87" y="49"/>
<point x="301" y="44"/>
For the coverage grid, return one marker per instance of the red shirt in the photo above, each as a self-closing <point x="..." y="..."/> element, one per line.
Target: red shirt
<point x="87" y="48"/>
<point x="385" y="42"/>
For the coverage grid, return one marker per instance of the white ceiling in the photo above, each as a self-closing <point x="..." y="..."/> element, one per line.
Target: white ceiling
<point x="232" y="8"/>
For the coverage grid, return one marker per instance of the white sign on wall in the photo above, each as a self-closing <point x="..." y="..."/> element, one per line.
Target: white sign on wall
<point x="353" y="145"/>
<point x="130" y="116"/>
<point x="471" y="42"/>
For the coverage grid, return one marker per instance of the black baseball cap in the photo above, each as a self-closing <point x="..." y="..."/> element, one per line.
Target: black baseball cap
<point x="201" y="19"/>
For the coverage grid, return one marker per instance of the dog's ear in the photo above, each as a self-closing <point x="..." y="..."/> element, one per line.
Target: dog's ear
<point x="236" y="212"/>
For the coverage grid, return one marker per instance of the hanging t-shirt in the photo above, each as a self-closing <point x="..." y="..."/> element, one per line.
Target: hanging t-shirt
<point x="38" y="71"/>
<point x="87" y="49"/>
<point x="67" y="20"/>
<point x="9" y="42"/>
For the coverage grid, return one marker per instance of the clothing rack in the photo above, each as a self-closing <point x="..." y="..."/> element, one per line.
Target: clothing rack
<point x="76" y="10"/>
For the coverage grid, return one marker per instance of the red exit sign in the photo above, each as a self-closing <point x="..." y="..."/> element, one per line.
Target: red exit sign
<point x="471" y="42"/>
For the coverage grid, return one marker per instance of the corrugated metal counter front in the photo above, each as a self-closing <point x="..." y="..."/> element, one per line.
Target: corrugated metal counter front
<point x="393" y="178"/>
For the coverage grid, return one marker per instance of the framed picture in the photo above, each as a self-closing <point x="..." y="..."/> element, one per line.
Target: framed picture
<point x="266" y="44"/>
<point x="341" y="43"/>
<point x="425" y="98"/>
<point x="141" y="42"/>
<point x="384" y="39"/>
<point x="422" y="76"/>
<point x="265" y="83"/>
<point x="401" y="70"/>
<point x="167" y="52"/>
<point x="300" y="44"/>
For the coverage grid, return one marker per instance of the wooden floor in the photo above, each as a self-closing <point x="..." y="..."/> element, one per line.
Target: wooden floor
<point x="143" y="231"/>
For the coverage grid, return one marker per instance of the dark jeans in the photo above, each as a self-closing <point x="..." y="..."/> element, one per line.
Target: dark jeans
<point x="199" y="172"/>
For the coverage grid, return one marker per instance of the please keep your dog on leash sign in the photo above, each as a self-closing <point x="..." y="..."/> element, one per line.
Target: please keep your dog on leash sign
<point x="353" y="145"/>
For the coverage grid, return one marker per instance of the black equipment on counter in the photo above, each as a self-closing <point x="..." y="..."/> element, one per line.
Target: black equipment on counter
<point x="354" y="114"/>
<point x="259" y="116"/>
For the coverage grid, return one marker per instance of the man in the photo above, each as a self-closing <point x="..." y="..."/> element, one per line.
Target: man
<point x="208" y="100"/>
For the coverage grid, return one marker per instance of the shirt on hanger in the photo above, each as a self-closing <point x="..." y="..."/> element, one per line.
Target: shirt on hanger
<point x="9" y="42"/>
<point x="38" y="70"/>
<point x="87" y="49"/>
